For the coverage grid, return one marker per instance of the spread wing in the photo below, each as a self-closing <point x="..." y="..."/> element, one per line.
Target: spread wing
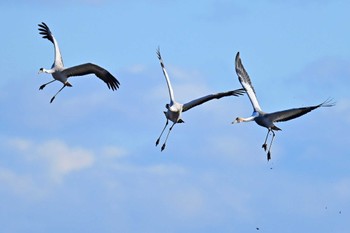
<point x="90" y="68"/>
<point x="293" y="113"/>
<point x="44" y="30"/>
<point x="170" y="88"/>
<point x="207" y="98"/>
<point x="244" y="79"/>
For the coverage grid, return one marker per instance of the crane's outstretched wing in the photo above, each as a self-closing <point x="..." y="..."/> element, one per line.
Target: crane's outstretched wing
<point x="207" y="98"/>
<point x="244" y="79"/>
<point x="170" y="89"/>
<point x="290" y="114"/>
<point x="90" y="68"/>
<point x="47" y="34"/>
<point x="45" y="31"/>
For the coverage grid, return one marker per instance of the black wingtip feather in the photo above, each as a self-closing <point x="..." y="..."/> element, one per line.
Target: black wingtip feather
<point x="158" y="54"/>
<point x="45" y="31"/>
<point x="112" y="82"/>
<point x="327" y="103"/>
<point x="237" y="92"/>
<point x="160" y="58"/>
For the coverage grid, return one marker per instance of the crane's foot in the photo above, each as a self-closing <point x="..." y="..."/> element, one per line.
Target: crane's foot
<point x="42" y="86"/>
<point x="52" y="99"/>
<point x="264" y="146"/>
<point x="163" y="147"/>
<point x="157" y="142"/>
<point x="268" y="156"/>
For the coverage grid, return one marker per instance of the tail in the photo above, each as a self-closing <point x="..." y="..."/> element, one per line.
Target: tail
<point x="274" y="127"/>
<point x="68" y="84"/>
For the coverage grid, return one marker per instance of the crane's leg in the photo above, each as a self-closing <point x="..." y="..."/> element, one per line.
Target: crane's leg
<point x="57" y="93"/>
<point x="267" y="135"/>
<point x="166" y="124"/>
<point x="269" y="152"/>
<point x="166" y="139"/>
<point x="42" y="86"/>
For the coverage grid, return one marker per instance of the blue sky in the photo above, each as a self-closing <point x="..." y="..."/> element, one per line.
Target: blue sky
<point x="88" y="161"/>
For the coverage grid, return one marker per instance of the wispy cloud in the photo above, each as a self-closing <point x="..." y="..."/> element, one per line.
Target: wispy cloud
<point x="60" y="158"/>
<point x="22" y="185"/>
<point x="113" y="152"/>
<point x="161" y="170"/>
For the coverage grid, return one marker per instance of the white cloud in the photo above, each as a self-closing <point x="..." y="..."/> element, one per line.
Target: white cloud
<point x="60" y="158"/>
<point x="162" y="169"/>
<point x="63" y="159"/>
<point x="113" y="152"/>
<point x="19" y="184"/>
<point x="20" y="144"/>
<point x="156" y="169"/>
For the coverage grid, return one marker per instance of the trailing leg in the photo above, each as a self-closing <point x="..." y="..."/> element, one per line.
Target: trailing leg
<point x="267" y="135"/>
<point x="42" y="86"/>
<point x="57" y="93"/>
<point x="166" y="124"/>
<point x="166" y="139"/>
<point x="269" y="152"/>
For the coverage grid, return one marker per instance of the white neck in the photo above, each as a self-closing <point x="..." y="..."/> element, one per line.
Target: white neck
<point x="50" y="71"/>
<point x="248" y="119"/>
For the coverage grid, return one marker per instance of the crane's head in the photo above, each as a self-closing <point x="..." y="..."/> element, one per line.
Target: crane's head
<point x="238" y="120"/>
<point x="43" y="70"/>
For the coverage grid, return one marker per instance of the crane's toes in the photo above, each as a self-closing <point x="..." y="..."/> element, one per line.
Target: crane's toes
<point x="42" y="87"/>
<point x="268" y="156"/>
<point x="264" y="146"/>
<point x="157" y="142"/>
<point x="163" y="147"/>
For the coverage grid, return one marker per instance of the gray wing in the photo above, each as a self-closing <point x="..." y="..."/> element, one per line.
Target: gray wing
<point x="204" y="99"/>
<point x="90" y="68"/>
<point x="290" y="114"/>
